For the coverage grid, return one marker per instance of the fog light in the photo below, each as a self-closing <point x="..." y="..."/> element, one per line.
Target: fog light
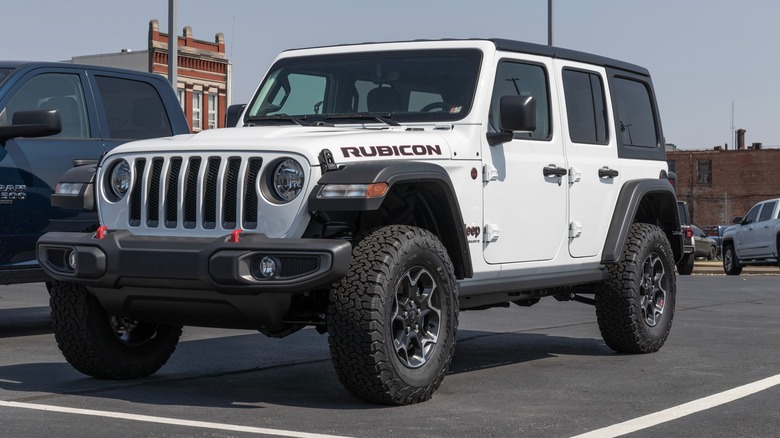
<point x="268" y="267"/>
<point x="72" y="260"/>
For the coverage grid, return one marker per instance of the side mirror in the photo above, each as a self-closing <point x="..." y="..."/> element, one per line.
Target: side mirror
<point x="234" y="114"/>
<point x="738" y="220"/>
<point x="33" y="123"/>
<point x="516" y="114"/>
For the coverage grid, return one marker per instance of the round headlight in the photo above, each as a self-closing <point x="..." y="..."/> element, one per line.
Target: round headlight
<point x="288" y="179"/>
<point x="119" y="179"/>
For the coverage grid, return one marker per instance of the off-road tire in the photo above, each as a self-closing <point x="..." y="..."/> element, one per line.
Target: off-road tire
<point x="371" y="307"/>
<point x="686" y="264"/>
<point x="635" y="306"/>
<point x="89" y="342"/>
<point x="731" y="264"/>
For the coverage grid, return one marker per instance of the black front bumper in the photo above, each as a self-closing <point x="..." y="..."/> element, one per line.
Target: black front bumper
<point x="194" y="280"/>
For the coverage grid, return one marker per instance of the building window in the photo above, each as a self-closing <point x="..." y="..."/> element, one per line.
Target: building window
<point x="212" y="110"/>
<point x="197" y="105"/>
<point x="180" y="95"/>
<point x="704" y="171"/>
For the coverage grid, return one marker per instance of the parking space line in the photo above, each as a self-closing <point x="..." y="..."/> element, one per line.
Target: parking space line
<point x="683" y="410"/>
<point x="165" y="420"/>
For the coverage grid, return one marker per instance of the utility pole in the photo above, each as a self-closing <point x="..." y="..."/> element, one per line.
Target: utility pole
<point x="173" y="45"/>
<point x="550" y="23"/>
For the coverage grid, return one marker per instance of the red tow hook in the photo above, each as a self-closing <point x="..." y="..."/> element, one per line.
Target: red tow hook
<point x="101" y="232"/>
<point x="234" y="235"/>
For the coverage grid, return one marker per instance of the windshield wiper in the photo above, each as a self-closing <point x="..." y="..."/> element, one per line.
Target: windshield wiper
<point x="384" y="118"/>
<point x="300" y="121"/>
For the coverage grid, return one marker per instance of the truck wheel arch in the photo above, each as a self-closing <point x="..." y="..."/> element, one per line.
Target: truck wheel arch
<point x="429" y="181"/>
<point x="649" y="201"/>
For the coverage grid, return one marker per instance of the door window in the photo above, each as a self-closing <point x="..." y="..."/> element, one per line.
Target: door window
<point x="767" y="210"/>
<point x="60" y="91"/>
<point x="585" y="107"/>
<point x="520" y="79"/>
<point x="752" y="215"/>
<point x="134" y="109"/>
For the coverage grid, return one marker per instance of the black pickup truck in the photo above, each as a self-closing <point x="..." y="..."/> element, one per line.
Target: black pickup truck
<point x="57" y="118"/>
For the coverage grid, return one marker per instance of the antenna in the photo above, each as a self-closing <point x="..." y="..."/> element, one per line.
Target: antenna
<point x="550" y="23"/>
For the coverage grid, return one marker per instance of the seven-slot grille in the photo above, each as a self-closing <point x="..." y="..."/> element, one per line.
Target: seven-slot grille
<point x="205" y="192"/>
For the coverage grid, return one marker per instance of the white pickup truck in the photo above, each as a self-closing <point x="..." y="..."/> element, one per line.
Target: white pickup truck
<point x="755" y="238"/>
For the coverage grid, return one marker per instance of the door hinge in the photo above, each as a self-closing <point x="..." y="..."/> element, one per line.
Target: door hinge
<point x="491" y="233"/>
<point x="489" y="173"/>
<point x="575" y="229"/>
<point x="574" y="175"/>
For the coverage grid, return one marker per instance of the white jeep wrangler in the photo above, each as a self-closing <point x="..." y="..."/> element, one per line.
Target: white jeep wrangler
<point x="373" y="191"/>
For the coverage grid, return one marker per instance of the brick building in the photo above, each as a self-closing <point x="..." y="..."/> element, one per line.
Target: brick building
<point x="203" y="75"/>
<point x="721" y="184"/>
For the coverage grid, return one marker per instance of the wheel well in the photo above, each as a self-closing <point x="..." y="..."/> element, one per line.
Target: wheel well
<point x="660" y="209"/>
<point x="425" y="205"/>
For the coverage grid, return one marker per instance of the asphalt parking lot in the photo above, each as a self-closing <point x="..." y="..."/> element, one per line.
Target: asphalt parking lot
<point x="539" y="371"/>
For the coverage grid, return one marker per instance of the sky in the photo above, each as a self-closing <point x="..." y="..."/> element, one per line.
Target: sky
<point x="714" y="63"/>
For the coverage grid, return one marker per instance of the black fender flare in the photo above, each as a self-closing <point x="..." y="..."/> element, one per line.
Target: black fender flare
<point x="394" y="173"/>
<point x="658" y="195"/>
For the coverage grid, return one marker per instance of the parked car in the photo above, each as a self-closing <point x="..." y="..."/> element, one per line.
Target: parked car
<point x="56" y="118"/>
<point x="705" y="246"/>
<point x="755" y="238"/>
<point x="685" y="266"/>
<point x="715" y="232"/>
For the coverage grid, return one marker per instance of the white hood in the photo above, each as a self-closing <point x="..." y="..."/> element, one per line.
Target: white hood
<point x="346" y="143"/>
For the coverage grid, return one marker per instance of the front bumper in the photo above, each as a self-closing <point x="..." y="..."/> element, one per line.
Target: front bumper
<point x="194" y="280"/>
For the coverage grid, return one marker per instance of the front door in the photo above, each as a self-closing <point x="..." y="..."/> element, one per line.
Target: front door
<point x="524" y="204"/>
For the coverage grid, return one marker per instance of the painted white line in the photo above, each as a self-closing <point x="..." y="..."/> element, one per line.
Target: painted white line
<point x="164" y="420"/>
<point x="10" y="381"/>
<point x="682" y="410"/>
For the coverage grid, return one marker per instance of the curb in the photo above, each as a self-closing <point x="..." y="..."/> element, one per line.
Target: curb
<point x="703" y="267"/>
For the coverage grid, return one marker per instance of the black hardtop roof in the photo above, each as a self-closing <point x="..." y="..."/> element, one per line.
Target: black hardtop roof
<point x="28" y="65"/>
<point x="533" y="49"/>
<point x="570" y="55"/>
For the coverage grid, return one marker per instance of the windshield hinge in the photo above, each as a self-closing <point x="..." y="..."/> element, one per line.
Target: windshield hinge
<point x="327" y="163"/>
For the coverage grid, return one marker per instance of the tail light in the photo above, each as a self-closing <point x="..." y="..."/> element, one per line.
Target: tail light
<point x="688" y="233"/>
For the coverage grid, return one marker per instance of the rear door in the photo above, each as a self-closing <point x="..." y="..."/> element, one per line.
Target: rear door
<point x="594" y="170"/>
<point x="762" y="238"/>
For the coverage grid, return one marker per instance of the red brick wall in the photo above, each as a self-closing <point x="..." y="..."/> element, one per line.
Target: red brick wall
<point x="739" y="180"/>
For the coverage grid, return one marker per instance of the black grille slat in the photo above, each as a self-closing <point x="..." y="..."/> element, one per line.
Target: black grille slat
<point x="153" y="199"/>
<point x="191" y="193"/>
<point x="250" y="193"/>
<point x="210" y="198"/>
<point x="136" y="196"/>
<point x="230" y="201"/>
<point x="195" y="192"/>
<point x="172" y="194"/>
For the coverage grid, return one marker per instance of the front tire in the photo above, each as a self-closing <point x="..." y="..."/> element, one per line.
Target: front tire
<point x="392" y="320"/>
<point x="730" y="261"/>
<point x="635" y="306"/>
<point x="102" y="345"/>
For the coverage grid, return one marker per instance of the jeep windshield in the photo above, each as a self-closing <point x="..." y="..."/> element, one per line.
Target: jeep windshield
<point x="374" y="87"/>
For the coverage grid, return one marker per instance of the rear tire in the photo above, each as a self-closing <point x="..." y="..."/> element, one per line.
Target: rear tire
<point x="104" y="346"/>
<point x="730" y="261"/>
<point x="392" y="320"/>
<point x="635" y="306"/>
<point x="713" y="253"/>
<point x="686" y="264"/>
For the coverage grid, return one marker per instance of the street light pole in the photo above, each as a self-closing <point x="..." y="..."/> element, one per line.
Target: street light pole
<point x="550" y="23"/>
<point x="173" y="45"/>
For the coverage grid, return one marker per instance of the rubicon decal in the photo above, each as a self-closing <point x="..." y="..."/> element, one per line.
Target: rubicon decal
<point x="406" y="150"/>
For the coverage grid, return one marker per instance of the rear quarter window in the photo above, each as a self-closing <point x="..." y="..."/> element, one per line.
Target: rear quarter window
<point x="133" y="108"/>
<point x="636" y="120"/>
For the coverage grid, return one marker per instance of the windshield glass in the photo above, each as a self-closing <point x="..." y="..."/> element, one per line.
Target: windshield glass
<point x="4" y="72"/>
<point x="405" y="86"/>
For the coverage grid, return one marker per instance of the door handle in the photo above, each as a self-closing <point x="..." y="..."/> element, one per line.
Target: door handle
<point x="553" y="170"/>
<point x="606" y="172"/>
